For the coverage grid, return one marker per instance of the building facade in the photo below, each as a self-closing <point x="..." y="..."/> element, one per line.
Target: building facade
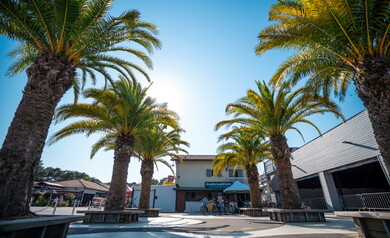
<point x="337" y="169"/>
<point x="195" y="180"/>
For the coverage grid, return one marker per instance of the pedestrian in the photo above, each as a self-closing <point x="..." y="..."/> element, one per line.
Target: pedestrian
<point x="60" y="200"/>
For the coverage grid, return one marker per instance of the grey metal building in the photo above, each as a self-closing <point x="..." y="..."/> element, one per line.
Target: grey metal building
<point x="342" y="169"/>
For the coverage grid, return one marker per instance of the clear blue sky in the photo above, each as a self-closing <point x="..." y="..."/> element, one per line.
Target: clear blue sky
<point x="207" y="61"/>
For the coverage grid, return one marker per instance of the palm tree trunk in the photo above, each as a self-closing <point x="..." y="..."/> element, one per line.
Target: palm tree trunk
<point x="253" y="180"/>
<point x="373" y="87"/>
<point x="147" y="170"/>
<point x="281" y="154"/>
<point x="117" y="194"/>
<point x="48" y="79"/>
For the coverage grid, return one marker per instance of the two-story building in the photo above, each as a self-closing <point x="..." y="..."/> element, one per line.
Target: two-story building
<point x="195" y="180"/>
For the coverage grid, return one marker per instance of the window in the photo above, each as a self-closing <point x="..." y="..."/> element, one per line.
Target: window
<point x="210" y="173"/>
<point x="237" y="173"/>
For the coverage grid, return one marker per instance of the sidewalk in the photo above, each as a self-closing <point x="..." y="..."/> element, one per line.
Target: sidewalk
<point x="185" y="225"/>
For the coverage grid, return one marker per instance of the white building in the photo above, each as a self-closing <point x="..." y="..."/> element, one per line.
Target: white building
<point x="161" y="196"/>
<point x="195" y="180"/>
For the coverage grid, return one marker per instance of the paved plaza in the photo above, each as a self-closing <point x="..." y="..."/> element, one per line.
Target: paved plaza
<point x="195" y="225"/>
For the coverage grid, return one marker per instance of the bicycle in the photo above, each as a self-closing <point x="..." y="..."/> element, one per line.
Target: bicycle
<point x="132" y="204"/>
<point x="204" y="210"/>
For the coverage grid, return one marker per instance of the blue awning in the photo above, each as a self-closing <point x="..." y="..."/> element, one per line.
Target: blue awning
<point x="237" y="187"/>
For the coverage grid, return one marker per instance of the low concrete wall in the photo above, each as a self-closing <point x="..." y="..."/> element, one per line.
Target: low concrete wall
<point x="370" y="224"/>
<point x="296" y="215"/>
<point x="252" y="212"/>
<point x="43" y="226"/>
<point x="193" y="206"/>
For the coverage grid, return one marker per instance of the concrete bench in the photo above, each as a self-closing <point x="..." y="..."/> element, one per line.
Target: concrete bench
<point x="252" y="212"/>
<point x="370" y="224"/>
<point x="296" y="215"/>
<point x="42" y="226"/>
<point x="151" y="212"/>
<point x="111" y="216"/>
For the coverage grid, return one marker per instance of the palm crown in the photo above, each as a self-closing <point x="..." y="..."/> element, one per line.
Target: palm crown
<point x="332" y="39"/>
<point x="156" y="143"/>
<point x="81" y="31"/>
<point x="274" y="111"/>
<point x="245" y="149"/>
<point x="122" y="110"/>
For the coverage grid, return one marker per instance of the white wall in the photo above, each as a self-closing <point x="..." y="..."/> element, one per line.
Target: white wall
<point x="329" y="151"/>
<point x="166" y="197"/>
<point x="193" y="174"/>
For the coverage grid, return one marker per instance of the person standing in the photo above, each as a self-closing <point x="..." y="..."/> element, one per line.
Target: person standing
<point x="60" y="201"/>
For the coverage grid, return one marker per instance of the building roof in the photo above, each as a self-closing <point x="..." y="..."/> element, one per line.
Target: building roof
<point x="81" y="183"/>
<point x="195" y="158"/>
<point x="49" y="184"/>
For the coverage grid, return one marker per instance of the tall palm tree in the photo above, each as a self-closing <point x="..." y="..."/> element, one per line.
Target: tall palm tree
<point x="152" y="146"/>
<point x="120" y="113"/>
<point x="337" y="43"/>
<point x="57" y="38"/>
<point x="272" y="112"/>
<point x="246" y="151"/>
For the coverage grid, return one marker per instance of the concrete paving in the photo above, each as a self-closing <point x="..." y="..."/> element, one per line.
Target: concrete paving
<point x="195" y="225"/>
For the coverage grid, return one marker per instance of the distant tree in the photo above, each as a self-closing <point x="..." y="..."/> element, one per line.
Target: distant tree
<point x="56" y="174"/>
<point x="130" y="184"/>
<point x="155" y="182"/>
<point x="161" y="182"/>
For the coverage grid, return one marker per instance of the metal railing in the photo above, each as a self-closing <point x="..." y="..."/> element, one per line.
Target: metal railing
<point x="315" y="203"/>
<point x="366" y="201"/>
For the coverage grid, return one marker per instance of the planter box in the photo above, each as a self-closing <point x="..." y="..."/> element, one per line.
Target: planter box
<point x="151" y="212"/>
<point x="370" y="224"/>
<point x="252" y="212"/>
<point x="296" y="215"/>
<point x="42" y="226"/>
<point x="111" y="216"/>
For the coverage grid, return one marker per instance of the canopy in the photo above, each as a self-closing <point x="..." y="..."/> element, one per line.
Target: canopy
<point x="237" y="187"/>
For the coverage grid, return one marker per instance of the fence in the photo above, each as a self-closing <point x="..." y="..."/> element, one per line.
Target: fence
<point x="315" y="203"/>
<point x="366" y="201"/>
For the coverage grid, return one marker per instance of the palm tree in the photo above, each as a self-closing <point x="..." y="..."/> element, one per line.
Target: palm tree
<point x="152" y="146"/>
<point x="337" y="43"/>
<point x="271" y="113"/>
<point x="120" y="113"/>
<point x="246" y="150"/>
<point x="57" y="38"/>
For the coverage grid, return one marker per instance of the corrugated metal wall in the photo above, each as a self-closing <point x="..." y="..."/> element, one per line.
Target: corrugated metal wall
<point x="329" y="151"/>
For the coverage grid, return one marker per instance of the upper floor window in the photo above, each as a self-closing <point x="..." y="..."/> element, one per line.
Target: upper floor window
<point x="210" y="173"/>
<point x="237" y="173"/>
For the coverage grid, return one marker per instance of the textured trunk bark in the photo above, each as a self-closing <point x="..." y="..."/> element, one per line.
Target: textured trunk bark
<point x="281" y="153"/>
<point x="117" y="194"/>
<point x="147" y="170"/>
<point x="253" y="180"/>
<point x="373" y="86"/>
<point x="48" y="79"/>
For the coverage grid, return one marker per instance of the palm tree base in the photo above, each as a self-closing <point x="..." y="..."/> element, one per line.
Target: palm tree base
<point x="296" y="215"/>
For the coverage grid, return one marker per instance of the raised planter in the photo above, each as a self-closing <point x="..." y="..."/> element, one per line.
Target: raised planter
<point x="111" y="216"/>
<point x="252" y="212"/>
<point x="151" y="212"/>
<point x="296" y="215"/>
<point x="42" y="226"/>
<point x="370" y="224"/>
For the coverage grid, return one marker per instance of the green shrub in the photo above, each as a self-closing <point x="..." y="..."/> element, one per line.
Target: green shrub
<point x="64" y="204"/>
<point x="41" y="201"/>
